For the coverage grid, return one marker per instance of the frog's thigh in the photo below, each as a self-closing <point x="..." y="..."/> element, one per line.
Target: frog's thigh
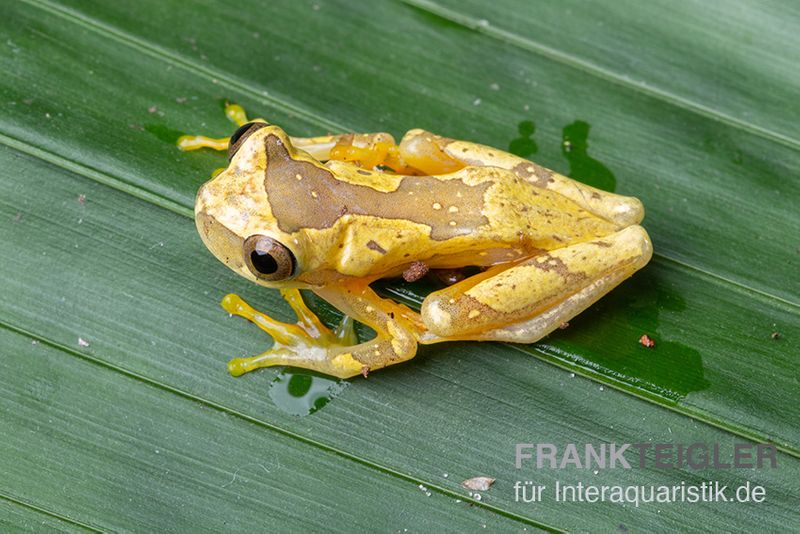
<point x="436" y="155"/>
<point x="529" y="299"/>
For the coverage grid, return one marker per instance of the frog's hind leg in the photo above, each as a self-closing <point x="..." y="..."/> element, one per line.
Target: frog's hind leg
<point x="434" y="154"/>
<point x="529" y="299"/>
<point x="367" y="150"/>
<point x="234" y="112"/>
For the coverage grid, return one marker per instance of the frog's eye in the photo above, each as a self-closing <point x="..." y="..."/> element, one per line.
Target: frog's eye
<point x="240" y="136"/>
<point x="268" y="259"/>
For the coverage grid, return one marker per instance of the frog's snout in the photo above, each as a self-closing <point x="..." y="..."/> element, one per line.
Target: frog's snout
<point x="221" y="241"/>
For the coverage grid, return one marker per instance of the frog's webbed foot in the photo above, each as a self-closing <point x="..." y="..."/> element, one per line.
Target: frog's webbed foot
<point x="306" y="343"/>
<point x="234" y="112"/>
<point x="310" y="345"/>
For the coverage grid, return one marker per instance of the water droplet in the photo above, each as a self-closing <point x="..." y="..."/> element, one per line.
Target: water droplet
<point x="300" y="392"/>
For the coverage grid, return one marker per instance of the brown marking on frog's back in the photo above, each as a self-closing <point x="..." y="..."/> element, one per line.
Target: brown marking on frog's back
<point x="320" y="199"/>
<point x="533" y="173"/>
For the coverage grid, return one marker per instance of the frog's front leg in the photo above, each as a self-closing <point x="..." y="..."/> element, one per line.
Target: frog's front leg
<point x="235" y="114"/>
<point x="524" y="301"/>
<point x="368" y="150"/>
<point x="310" y="345"/>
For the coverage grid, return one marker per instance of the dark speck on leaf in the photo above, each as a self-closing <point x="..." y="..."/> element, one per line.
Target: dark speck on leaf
<point x="647" y="341"/>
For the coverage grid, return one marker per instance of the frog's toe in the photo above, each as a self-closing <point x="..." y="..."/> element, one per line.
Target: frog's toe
<point x="196" y="142"/>
<point x="283" y="333"/>
<point x="321" y="355"/>
<point x="307" y="356"/>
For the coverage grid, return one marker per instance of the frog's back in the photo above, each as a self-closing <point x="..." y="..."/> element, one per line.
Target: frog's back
<point x="366" y="221"/>
<point x="519" y="210"/>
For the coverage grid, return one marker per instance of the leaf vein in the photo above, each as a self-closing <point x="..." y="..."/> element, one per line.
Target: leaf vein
<point x="272" y="427"/>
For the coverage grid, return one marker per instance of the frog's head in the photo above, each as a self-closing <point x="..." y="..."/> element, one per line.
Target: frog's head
<point x="234" y="216"/>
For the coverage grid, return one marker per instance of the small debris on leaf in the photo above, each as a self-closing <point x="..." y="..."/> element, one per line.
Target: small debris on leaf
<point x="82" y="199"/>
<point x="415" y="271"/>
<point x="647" y="341"/>
<point x="152" y="109"/>
<point x="775" y="335"/>
<point x="82" y="342"/>
<point x="478" y="483"/>
<point x="449" y="276"/>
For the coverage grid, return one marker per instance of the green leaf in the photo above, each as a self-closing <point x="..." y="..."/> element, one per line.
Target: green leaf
<point x="689" y="107"/>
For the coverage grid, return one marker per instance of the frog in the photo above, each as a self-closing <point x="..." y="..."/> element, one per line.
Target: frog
<point x="333" y="214"/>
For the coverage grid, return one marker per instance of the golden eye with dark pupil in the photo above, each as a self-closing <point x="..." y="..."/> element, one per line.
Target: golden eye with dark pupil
<point x="240" y="136"/>
<point x="268" y="259"/>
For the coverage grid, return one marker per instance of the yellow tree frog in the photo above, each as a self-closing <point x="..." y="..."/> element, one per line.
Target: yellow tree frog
<point x="332" y="214"/>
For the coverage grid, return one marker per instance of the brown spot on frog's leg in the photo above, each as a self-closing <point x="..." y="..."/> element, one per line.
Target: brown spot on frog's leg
<point x="372" y="245"/>
<point x="415" y="271"/>
<point x="548" y="262"/>
<point x="328" y="197"/>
